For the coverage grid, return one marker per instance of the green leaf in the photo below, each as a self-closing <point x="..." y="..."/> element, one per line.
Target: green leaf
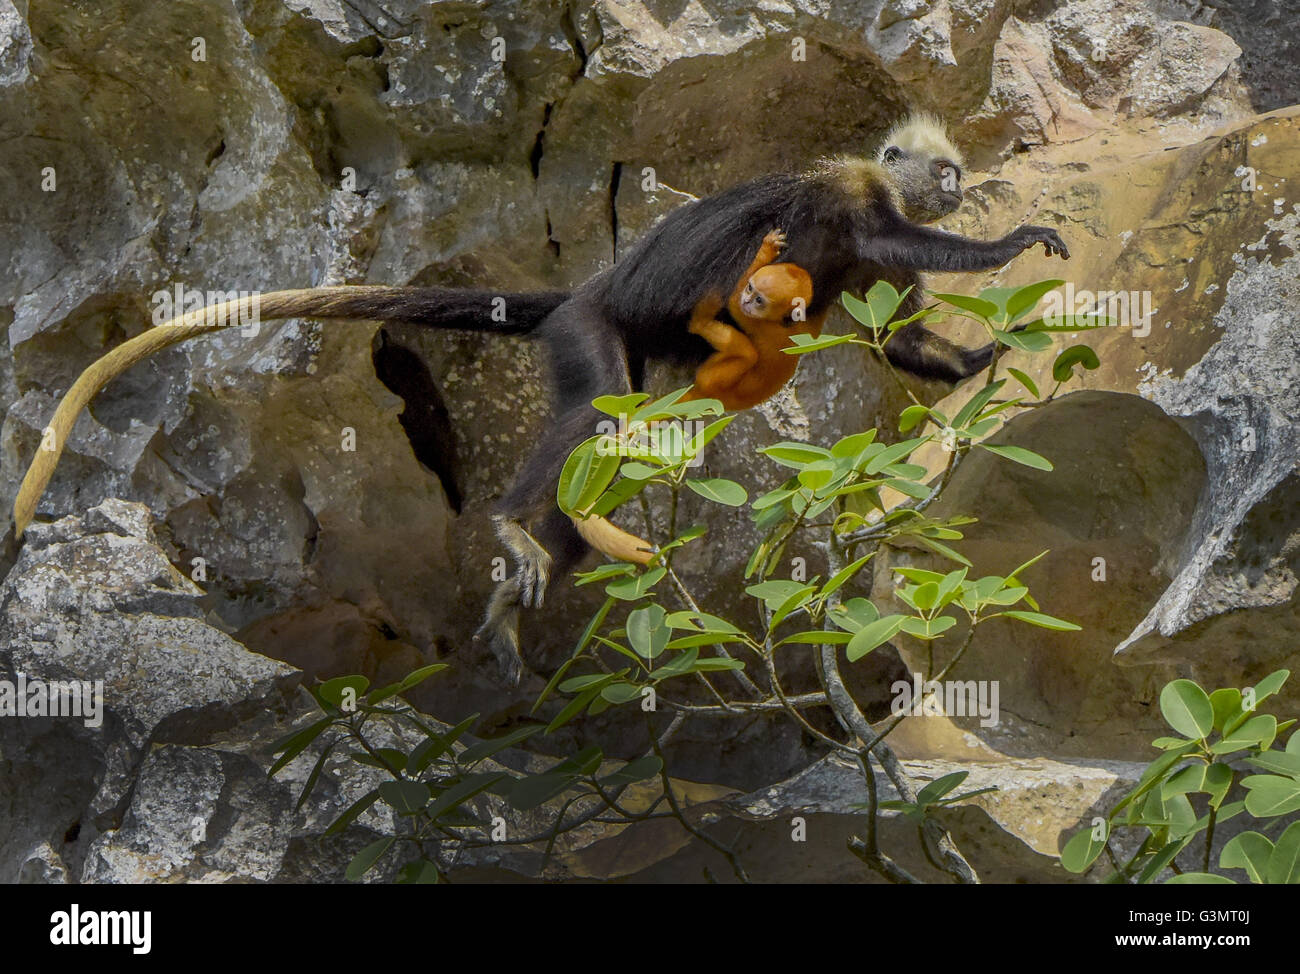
<point x="1041" y="620"/>
<point x="418" y="872"/>
<point x="353" y="812"/>
<point x="405" y="797"/>
<point x="874" y="634"/>
<point x="363" y="861"/>
<point x="527" y="793"/>
<point x="944" y="550"/>
<point x="795" y="455"/>
<point x="297" y="742"/>
<point x="925" y="596"/>
<point x="1020" y="455"/>
<point x="936" y="789"/>
<point x="1279" y="762"/>
<point x="589" y="469"/>
<point x="893" y="453"/>
<point x="1227" y="704"/>
<point x="706" y="435"/>
<point x="853" y="445"/>
<point x="1249" y="851"/>
<point x="1271" y="795"/>
<point x="977" y="402"/>
<point x="1284" y="863"/>
<point x="620" y="693"/>
<point x="818" y="637"/>
<point x="843" y="575"/>
<point x="462" y="791"/>
<point x="1270" y="685"/>
<point x="314" y="776"/>
<point x="910" y="416"/>
<point x="1025" y="299"/>
<point x="648" y="630"/>
<point x="806" y="343"/>
<point x="976" y="306"/>
<point x="669" y="404"/>
<point x="1162" y="859"/>
<point x="631" y="589"/>
<point x="1191" y="778"/>
<point x="1187" y="709"/>
<point x="719" y="491"/>
<point x="794" y="601"/>
<point x="333" y="691"/>
<point x="620" y="405"/>
<point x="1199" y="879"/>
<point x="487" y="748"/>
<point x="635" y="470"/>
<point x="1218" y="779"/>
<point x="928" y="628"/>
<point x="775" y="591"/>
<point x="1259" y="731"/>
<point x="854" y="614"/>
<point x="647" y="766"/>
<point x="1063" y="367"/>
<point x="1025" y="341"/>
<point x="1025" y="381"/>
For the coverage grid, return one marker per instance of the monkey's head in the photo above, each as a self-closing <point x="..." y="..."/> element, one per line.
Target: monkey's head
<point x="924" y="166"/>
<point x="774" y="291"/>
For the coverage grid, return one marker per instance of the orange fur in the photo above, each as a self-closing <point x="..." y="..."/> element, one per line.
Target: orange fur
<point x="748" y="365"/>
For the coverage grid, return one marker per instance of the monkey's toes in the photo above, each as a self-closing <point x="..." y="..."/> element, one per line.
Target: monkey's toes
<point x="533" y="579"/>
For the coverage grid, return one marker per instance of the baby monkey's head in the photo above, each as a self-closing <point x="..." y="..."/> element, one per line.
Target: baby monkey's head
<point x="775" y="291"/>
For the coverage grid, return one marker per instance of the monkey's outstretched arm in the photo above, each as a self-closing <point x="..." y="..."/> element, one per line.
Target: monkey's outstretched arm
<point x="911" y="247"/>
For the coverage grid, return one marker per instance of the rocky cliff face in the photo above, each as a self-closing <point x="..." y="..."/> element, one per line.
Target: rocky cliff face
<point x="288" y="143"/>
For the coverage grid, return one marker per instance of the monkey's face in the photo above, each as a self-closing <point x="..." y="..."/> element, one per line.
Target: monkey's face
<point x="772" y="293"/>
<point x="754" y="303"/>
<point x="928" y="186"/>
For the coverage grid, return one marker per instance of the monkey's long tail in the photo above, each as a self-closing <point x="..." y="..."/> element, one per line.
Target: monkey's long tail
<point x="429" y="307"/>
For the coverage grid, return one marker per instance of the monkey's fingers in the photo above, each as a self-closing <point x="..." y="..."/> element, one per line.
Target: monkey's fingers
<point x="534" y="575"/>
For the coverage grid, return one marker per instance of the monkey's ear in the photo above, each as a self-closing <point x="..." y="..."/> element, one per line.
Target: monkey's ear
<point x="892" y="154"/>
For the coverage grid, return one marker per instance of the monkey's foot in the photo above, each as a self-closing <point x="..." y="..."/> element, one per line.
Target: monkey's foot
<point x="500" y="630"/>
<point x="532" y="561"/>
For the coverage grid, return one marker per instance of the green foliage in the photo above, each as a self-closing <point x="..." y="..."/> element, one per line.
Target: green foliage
<point x="651" y="646"/>
<point x="1181" y="797"/>
<point x="431" y="781"/>
<point x="934" y="795"/>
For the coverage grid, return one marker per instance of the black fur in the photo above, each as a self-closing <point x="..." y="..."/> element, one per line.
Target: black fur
<point x="599" y="338"/>
<point x="442" y="307"/>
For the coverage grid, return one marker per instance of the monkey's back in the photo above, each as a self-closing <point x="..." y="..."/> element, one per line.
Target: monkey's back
<point x="703" y="247"/>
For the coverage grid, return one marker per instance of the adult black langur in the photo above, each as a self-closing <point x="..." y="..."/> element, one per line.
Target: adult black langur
<point x="850" y="221"/>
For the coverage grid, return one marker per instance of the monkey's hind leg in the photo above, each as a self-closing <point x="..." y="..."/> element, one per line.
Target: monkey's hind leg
<point x="500" y="630"/>
<point x="532" y="561"/>
<point x="555" y="533"/>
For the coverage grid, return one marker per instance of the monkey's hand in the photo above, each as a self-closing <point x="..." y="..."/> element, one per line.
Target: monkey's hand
<point x="776" y="240"/>
<point x="1026" y="236"/>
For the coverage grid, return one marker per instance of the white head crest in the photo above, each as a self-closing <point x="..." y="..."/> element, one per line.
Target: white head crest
<point x="922" y="134"/>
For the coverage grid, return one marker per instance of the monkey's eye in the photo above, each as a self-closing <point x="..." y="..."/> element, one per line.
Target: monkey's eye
<point x="943" y="169"/>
